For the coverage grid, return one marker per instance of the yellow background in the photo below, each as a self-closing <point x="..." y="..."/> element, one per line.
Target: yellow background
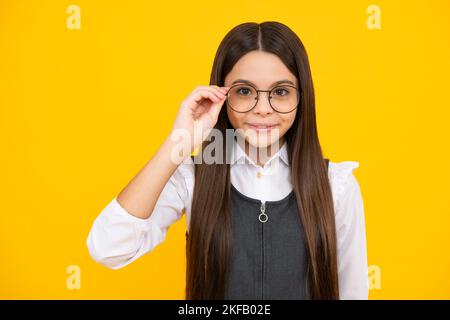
<point x="81" y="111"/>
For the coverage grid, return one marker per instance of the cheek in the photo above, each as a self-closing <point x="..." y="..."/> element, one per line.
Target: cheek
<point x="287" y="121"/>
<point x="237" y="119"/>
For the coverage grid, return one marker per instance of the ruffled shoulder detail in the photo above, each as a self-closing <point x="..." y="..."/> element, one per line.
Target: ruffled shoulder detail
<point x="339" y="174"/>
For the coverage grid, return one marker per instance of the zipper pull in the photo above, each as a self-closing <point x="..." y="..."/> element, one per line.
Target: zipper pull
<point x="263" y="216"/>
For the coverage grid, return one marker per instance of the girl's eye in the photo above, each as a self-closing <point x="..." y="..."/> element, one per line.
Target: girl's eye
<point x="244" y="91"/>
<point x="280" y="91"/>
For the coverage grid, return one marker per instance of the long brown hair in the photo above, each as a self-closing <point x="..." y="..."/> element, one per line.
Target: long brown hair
<point x="208" y="244"/>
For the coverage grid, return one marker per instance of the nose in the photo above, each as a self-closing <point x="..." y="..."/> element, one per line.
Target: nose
<point x="262" y="104"/>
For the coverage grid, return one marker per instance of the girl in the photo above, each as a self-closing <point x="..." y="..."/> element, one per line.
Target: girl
<point x="280" y="224"/>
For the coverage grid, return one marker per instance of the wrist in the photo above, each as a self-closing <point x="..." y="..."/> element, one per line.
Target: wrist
<point x="178" y="147"/>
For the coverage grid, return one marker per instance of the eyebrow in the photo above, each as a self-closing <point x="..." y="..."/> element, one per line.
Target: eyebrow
<point x="273" y="84"/>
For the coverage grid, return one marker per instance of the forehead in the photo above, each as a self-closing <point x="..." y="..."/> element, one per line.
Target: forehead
<point x="261" y="68"/>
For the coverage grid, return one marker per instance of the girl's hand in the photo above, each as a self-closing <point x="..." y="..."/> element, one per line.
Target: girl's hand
<point x="200" y="111"/>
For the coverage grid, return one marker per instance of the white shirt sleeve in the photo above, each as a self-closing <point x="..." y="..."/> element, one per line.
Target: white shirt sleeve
<point x="350" y="232"/>
<point x="117" y="238"/>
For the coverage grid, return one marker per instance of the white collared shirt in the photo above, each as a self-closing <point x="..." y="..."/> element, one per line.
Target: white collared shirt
<point x="117" y="238"/>
<point x="271" y="182"/>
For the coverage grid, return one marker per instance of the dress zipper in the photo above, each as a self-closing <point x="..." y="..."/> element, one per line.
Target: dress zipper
<point x="263" y="218"/>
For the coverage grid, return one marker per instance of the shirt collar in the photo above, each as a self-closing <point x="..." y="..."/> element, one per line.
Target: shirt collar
<point x="239" y="156"/>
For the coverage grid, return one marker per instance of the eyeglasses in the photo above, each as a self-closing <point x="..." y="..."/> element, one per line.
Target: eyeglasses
<point x="244" y="97"/>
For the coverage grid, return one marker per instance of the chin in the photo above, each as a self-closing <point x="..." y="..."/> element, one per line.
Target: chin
<point x="262" y="139"/>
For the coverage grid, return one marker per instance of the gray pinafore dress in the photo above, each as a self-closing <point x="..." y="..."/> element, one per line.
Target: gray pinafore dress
<point x="269" y="255"/>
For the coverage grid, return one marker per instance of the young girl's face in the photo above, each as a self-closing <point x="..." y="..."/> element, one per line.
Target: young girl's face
<point x="262" y="70"/>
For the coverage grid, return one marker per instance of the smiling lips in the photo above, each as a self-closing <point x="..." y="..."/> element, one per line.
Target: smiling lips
<point x="262" y="126"/>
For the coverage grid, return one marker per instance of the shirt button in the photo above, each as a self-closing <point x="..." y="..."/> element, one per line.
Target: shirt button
<point x="259" y="175"/>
